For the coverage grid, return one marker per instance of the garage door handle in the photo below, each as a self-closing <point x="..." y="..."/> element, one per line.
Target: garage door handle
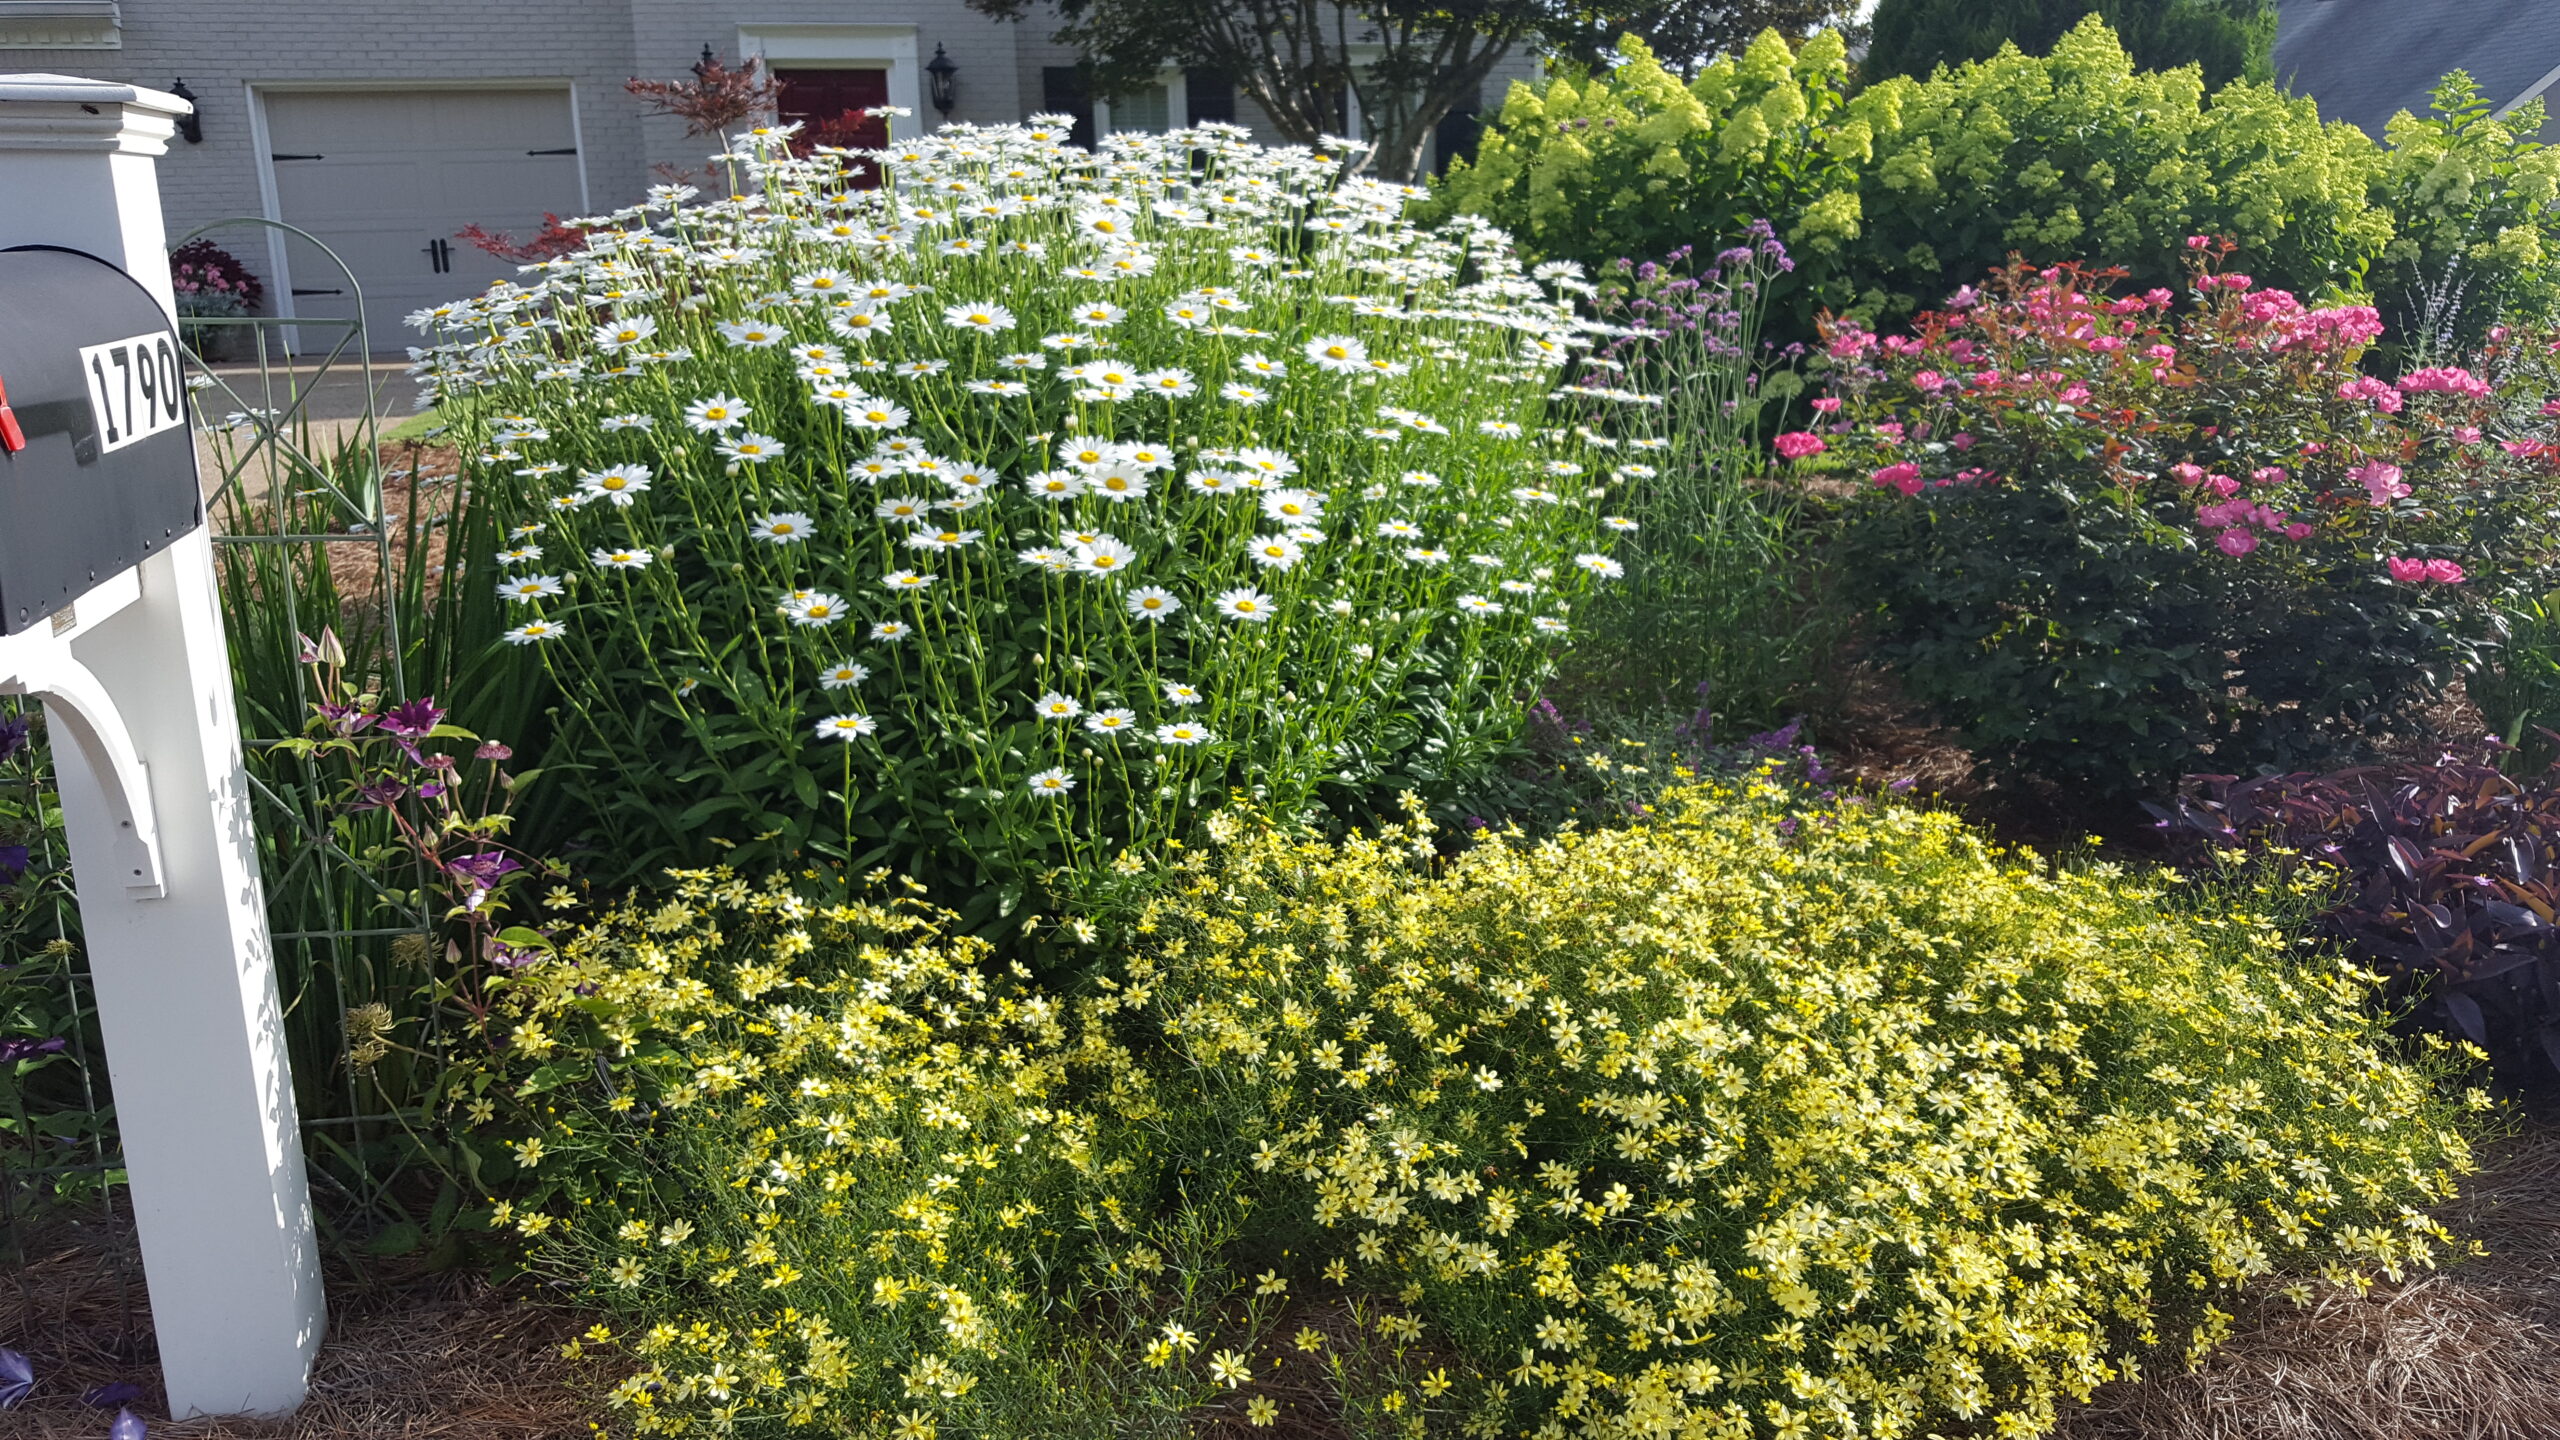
<point x="568" y="150"/>
<point x="297" y="157"/>
<point x="298" y="290"/>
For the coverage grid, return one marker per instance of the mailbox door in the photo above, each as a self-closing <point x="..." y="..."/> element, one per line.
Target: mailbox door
<point x="97" y="458"/>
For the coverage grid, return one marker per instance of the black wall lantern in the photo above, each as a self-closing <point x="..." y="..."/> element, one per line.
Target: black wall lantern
<point x="940" y="71"/>
<point x="703" y="67"/>
<point x="191" y="124"/>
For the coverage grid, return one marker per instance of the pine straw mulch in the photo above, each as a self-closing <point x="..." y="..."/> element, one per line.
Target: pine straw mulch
<point x="406" y="1358"/>
<point x="2467" y="1353"/>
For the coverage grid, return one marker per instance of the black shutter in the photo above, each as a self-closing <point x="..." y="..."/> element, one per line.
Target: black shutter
<point x="1212" y="97"/>
<point x="1064" y="91"/>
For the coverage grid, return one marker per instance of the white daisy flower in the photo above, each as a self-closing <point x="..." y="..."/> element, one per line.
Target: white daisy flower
<point x="525" y="589"/>
<point x="890" y="632"/>
<point x="750" y="334"/>
<point x="612" y="423"/>
<point x="1024" y="360"/>
<point x="843" y="676"/>
<point x="1618" y="522"/>
<point x="534" y="632"/>
<point x="1055" y="706"/>
<point x="1153" y="603"/>
<point x="1263" y="366"/>
<point x="1248" y="605"/>
<point x="813" y="608"/>
<point x="1424" y="555"/>
<point x="521" y="555"/>
<point x="1177" y="693"/>
<point x="1270" y="464"/>
<point x="1051" y="784"/>
<point x="1600" y="565"/>
<point x="1055" y="485"/>
<point x="905" y="581"/>
<point x="859" y="324"/>
<point x="904" y="509"/>
<point x="1212" y="482"/>
<point x="749" y="448"/>
<point x="1338" y="353"/>
<point x="619" y="484"/>
<point x="847" y="728"/>
<point x="1399" y="530"/>
<point x="621" y="559"/>
<point x="630" y="330"/>
<point x="1111" y="722"/>
<point x="1098" y="315"/>
<point x="1104" y="555"/>
<point x="785" y="527"/>
<point x="1244" y="395"/>
<point x="1477" y="605"/>
<point x="1293" y="505"/>
<point x="1185" y="733"/>
<point x="1047" y="557"/>
<point x="1548" y="625"/>
<point x="1117" y="483"/>
<point x="1499" y="429"/>
<point x="877" y="415"/>
<point x="1275" y="552"/>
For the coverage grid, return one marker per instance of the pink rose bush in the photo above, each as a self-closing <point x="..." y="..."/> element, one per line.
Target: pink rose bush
<point x="2119" y="537"/>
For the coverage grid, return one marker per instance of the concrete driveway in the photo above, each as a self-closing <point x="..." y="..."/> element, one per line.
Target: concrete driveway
<point x="321" y="409"/>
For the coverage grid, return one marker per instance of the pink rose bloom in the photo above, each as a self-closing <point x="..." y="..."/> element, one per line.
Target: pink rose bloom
<point x="2444" y="572"/>
<point x="2314" y="448"/>
<point x="1965" y="298"/>
<point x="2297" y="531"/>
<point x="2236" y="543"/>
<point x="2521" y="449"/>
<point x="1850" y="344"/>
<point x="2160" y="299"/>
<point x="1798" y="444"/>
<point x="2107" y="342"/>
<point x="1962" y="440"/>
<point x="2162" y="353"/>
<point x="2467" y="435"/>
<point x="1901" y="345"/>
<point x="2187" y="474"/>
<point x="2197" y="242"/>
<point x="2407" y="572"/>
<point x="1990" y="380"/>
<point x="2445" y="379"/>
<point x="2268" y="475"/>
<point x="1828" y="404"/>
<point x="2381" y="482"/>
<point x="2222" y="484"/>
<point x="1930" y="382"/>
<point x="1904" y="477"/>
<point x="1890" y="432"/>
<point x="2551" y="407"/>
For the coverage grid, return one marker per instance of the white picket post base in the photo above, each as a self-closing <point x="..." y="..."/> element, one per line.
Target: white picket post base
<point x="147" y="758"/>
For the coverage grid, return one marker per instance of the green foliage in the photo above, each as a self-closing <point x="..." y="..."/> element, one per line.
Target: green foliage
<point x="1715" y="588"/>
<point x="1682" y="1128"/>
<point x="1891" y="198"/>
<point x="2477" y="242"/>
<point x="2516" y="684"/>
<point x="2227" y="39"/>
<point x="2113" y="545"/>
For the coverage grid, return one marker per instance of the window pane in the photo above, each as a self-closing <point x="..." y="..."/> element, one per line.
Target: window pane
<point x="1145" y="109"/>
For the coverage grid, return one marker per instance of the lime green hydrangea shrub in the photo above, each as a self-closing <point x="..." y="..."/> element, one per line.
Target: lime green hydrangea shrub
<point x="1764" y="1118"/>
<point x="1894" y="195"/>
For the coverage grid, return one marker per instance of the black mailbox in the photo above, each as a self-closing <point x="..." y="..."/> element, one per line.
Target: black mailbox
<point x="97" y="461"/>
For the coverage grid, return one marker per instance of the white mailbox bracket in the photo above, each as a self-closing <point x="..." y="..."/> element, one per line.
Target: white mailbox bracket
<point x="135" y="677"/>
<point x="42" y="663"/>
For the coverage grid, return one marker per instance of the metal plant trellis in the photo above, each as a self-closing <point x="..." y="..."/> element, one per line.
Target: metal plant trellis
<point x="284" y="504"/>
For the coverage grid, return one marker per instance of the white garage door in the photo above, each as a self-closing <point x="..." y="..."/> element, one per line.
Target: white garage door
<point x="386" y="177"/>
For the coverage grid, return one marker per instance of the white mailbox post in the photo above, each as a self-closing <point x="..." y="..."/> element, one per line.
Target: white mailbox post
<point x="129" y="657"/>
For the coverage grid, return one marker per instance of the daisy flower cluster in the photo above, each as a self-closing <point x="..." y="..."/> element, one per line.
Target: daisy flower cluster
<point x="1767" y="1120"/>
<point x="1115" y="480"/>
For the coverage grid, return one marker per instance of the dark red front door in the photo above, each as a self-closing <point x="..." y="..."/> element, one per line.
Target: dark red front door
<point x="829" y="105"/>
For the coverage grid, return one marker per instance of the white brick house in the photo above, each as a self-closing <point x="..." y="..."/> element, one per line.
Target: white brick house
<point x="384" y="128"/>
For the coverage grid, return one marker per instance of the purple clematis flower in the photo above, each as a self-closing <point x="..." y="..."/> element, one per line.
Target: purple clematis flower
<point x="13" y="862"/>
<point x="11" y="1052"/>
<point x="13" y="737"/>
<point x="128" y="1426"/>
<point x="410" y="721"/>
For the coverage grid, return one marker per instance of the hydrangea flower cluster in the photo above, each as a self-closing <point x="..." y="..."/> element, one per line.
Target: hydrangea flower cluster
<point x="1029" y="495"/>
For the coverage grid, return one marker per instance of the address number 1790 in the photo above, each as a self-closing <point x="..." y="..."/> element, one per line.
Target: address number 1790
<point x="135" y="389"/>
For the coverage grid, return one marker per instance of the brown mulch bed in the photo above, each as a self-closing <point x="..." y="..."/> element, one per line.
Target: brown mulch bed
<point x="2467" y="1353"/>
<point x="406" y="1358"/>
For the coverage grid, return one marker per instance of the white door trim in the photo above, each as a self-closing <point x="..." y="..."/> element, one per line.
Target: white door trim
<point x="848" y="47"/>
